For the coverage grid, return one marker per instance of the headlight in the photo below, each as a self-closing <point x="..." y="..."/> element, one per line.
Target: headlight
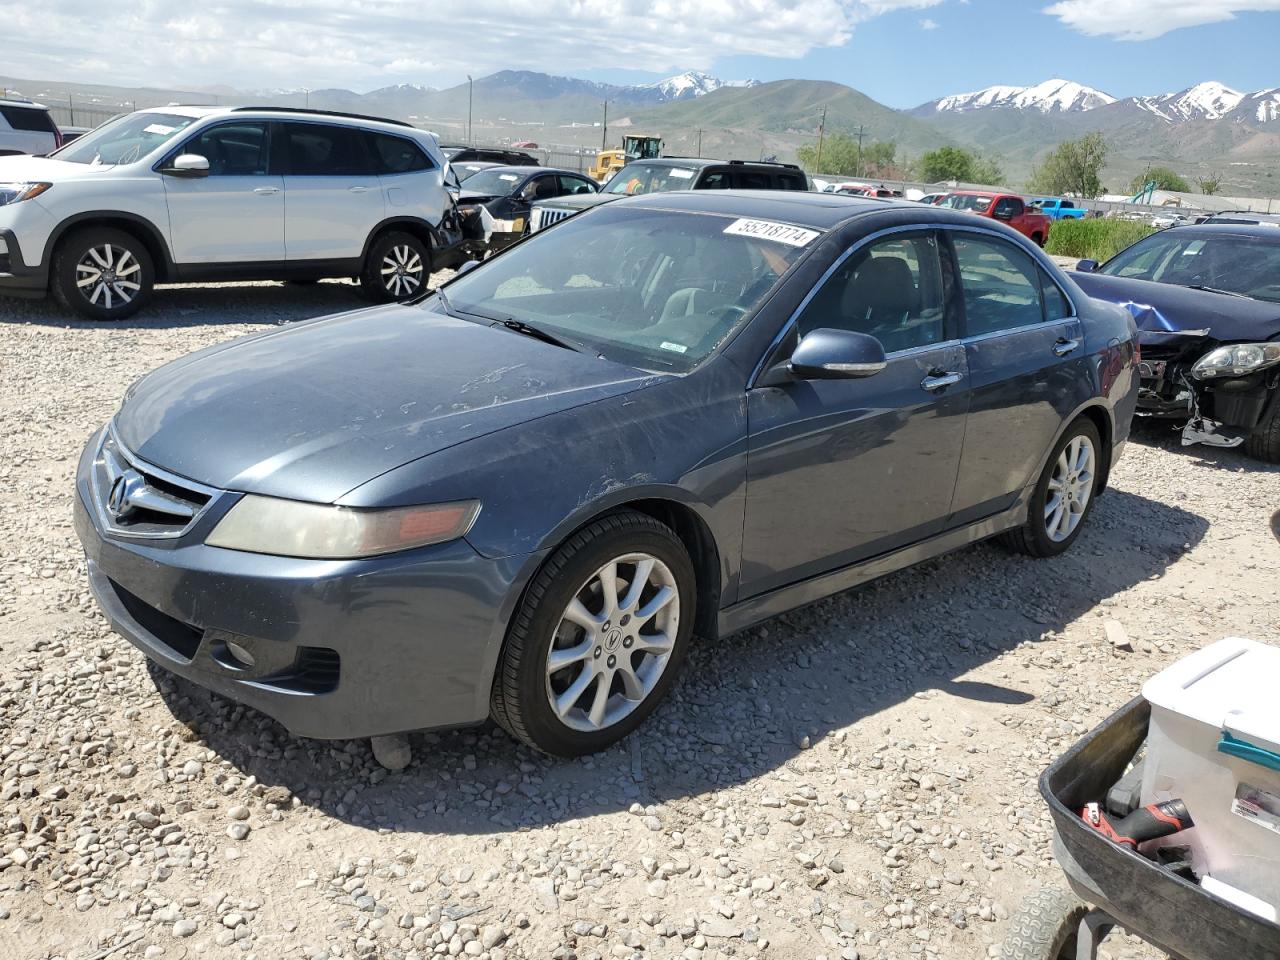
<point x="16" y="192"/>
<point x="291" y="528"/>
<point x="1236" y="360"/>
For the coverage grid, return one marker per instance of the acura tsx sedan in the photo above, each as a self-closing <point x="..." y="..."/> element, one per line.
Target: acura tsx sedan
<point x="520" y="496"/>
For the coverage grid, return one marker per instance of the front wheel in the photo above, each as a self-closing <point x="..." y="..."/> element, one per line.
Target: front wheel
<point x="1064" y="495"/>
<point x="598" y="637"/>
<point x="1046" y="927"/>
<point x="396" y="268"/>
<point x="102" y="273"/>
<point x="1264" y="439"/>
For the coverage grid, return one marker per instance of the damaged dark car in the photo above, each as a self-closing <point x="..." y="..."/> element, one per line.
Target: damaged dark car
<point x="1206" y="300"/>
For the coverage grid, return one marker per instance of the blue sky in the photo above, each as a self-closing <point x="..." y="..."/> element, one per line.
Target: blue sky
<point x="901" y="52"/>
<point x="897" y="61"/>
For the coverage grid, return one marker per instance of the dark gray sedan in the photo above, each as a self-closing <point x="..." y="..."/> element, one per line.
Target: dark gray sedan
<point x="521" y="497"/>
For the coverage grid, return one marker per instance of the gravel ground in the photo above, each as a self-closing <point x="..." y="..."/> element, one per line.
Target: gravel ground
<point x="856" y="779"/>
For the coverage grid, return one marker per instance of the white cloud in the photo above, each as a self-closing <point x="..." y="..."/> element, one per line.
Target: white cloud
<point x="369" y="43"/>
<point x="928" y="24"/>
<point x="1146" y="19"/>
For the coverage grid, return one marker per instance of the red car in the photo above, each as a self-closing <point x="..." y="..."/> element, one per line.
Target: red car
<point x="1009" y="207"/>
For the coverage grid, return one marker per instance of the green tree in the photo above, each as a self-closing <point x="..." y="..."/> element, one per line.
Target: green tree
<point x="841" y="156"/>
<point x="1073" y="167"/>
<point x="947" y="163"/>
<point x="986" y="171"/>
<point x="1165" y="179"/>
<point x="1211" y="184"/>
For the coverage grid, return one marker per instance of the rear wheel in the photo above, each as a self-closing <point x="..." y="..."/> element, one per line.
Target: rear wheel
<point x="397" y="267"/>
<point x="598" y="638"/>
<point x="1264" y="441"/>
<point x="1064" y="495"/>
<point x="1038" y="239"/>
<point x="102" y="273"/>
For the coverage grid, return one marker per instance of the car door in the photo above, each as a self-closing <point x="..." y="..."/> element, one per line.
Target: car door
<point x="236" y="213"/>
<point x="842" y="470"/>
<point x="1025" y="356"/>
<point x="334" y="198"/>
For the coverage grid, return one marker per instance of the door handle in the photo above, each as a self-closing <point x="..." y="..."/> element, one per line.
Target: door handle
<point x="266" y="191"/>
<point x="940" y="380"/>
<point x="1064" y="346"/>
<point x="358" y="189"/>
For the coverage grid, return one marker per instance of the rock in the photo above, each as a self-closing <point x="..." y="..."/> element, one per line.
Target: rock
<point x="185" y="928"/>
<point x="238" y="812"/>
<point x="1116" y="636"/>
<point x="238" y="831"/>
<point x="393" y="753"/>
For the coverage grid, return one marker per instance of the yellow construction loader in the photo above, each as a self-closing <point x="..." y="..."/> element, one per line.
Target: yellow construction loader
<point x="609" y="162"/>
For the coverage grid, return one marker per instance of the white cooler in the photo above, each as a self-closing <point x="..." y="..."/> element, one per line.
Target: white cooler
<point x="1214" y="742"/>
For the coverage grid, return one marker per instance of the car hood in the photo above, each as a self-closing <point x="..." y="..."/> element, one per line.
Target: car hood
<point x="315" y="410"/>
<point x="1164" y="310"/>
<point x="472" y="196"/>
<point x="579" y="201"/>
<point x="23" y="168"/>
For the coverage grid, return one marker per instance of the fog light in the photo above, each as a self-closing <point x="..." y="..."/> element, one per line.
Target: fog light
<point x="239" y="654"/>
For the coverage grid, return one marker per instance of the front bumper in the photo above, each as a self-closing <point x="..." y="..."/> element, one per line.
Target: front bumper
<point x="17" y="278"/>
<point x="339" y="649"/>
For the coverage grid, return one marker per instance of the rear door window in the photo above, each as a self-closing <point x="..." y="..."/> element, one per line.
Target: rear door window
<point x="792" y="181"/>
<point x="1008" y="206"/>
<point x="1001" y="284"/>
<point x="714" y="180"/>
<point x="571" y="185"/>
<point x="750" y="180"/>
<point x="326" y="150"/>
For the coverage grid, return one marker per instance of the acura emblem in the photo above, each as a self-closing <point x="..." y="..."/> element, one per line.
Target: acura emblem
<point x="120" y="500"/>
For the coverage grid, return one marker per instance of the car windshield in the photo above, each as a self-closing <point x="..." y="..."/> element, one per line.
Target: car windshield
<point x="964" y="201"/>
<point x="124" y="139"/>
<point x="1244" y="265"/>
<point x="650" y="178"/>
<point x="494" y="182"/>
<point x="654" y="289"/>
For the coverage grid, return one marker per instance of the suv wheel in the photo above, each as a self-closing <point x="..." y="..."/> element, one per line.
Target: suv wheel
<point x="102" y="273"/>
<point x="1063" y="497"/>
<point x="598" y="637"/>
<point x="398" y="267"/>
<point x="1264" y="441"/>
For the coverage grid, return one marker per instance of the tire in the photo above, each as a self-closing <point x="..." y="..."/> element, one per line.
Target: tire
<point x="525" y="683"/>
<point x="1038" y="537"/>
<point x="1038" y="240"/>
<point x="85" y="251"/>
<point x="1045" y="927"/>
<point x="1264" y="441"/>
<point x="407" y="262"/>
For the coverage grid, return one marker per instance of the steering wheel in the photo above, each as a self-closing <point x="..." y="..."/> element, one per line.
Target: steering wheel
<point x="727" y="311"/>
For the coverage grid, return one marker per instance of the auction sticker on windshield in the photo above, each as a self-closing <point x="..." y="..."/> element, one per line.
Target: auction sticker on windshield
<point x="768" y="230"/>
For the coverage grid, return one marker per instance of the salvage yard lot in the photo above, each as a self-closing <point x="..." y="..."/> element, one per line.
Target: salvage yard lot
<point x="853" y="779"/>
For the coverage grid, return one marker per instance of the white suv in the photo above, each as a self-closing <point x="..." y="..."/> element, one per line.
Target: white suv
<point x="26" y="127"/>
<point x="182" y="194"/>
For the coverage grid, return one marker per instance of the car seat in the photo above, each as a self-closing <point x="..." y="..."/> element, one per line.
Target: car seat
<point x="882" y="300"/>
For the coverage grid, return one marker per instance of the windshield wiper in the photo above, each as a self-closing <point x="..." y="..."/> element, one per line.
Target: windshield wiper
<point x="519" y="326"/>
<point x="1225" y="293"/>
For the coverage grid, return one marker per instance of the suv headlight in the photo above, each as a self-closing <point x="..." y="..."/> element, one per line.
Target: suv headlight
<point x="1236" y="360"/>
<point x="291" y="528"/>
<point x="17" y="192"/>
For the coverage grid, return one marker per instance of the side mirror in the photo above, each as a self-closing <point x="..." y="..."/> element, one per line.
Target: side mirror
<point x="188" y="165"/>
<point x="1086" y="266"/>
<point x="1002" y="214"/>
<point x="827" y="354"/>
<point x="467" y="267"/>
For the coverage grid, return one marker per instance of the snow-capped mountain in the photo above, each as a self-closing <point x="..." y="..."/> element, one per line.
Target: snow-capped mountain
<point x="1260" y="107"/>
<point x="1205" y="101"/>
<point x="1051" y="96"/>
<point x="691" y="84"/>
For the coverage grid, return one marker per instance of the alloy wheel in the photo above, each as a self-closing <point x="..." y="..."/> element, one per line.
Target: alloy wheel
<point x="109" y="276"/>
<point x="402" y="271"/>
<point x="613" y="642"/>
<point x="1070" y="488"/>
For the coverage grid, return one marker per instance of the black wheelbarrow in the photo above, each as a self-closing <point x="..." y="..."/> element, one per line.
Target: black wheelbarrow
<point x="1112" y="885"/>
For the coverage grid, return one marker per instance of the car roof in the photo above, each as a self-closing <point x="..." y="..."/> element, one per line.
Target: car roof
<point x="22" y="104"/>
<point x="199" y="112"/>
<point x="529" y="169"/>
<point x="1264" y="231"/>
<point x="820" y="211"/>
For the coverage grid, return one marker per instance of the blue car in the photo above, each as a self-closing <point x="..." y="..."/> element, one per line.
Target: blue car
<point x="1207" y="303"/>
<point x="521" y="496"/>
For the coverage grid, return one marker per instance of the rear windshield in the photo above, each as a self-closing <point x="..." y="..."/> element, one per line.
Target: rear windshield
<point x="28" y="118"/>
<point x="125" y="139"/>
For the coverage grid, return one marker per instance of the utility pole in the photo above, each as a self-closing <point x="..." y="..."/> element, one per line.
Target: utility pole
<point x="604" y="128"/>
<point x="699" y="141"/>
<point x="861" y="134"/>
<point x="822" y="130"/>
<point x="470" y="95"/>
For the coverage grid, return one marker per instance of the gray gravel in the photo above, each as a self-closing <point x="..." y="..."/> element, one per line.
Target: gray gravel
<point x="856" y="779"/>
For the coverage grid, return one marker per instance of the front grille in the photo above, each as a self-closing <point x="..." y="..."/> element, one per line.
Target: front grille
<point x="541" y="217"/>
<point x="316" y="670"/>
<point x="182" y="638"/>
<point x="135" y="499"/>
